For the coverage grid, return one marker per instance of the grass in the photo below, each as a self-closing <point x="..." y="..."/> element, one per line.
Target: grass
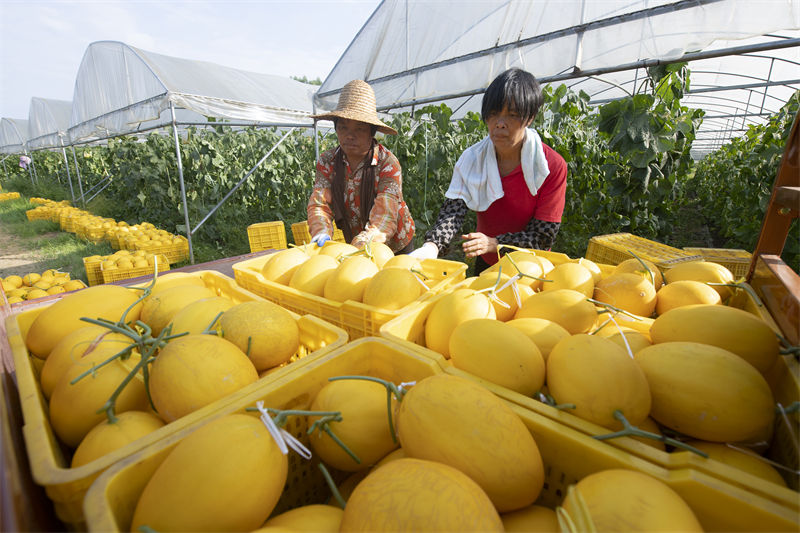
<point x="53" y="248"/>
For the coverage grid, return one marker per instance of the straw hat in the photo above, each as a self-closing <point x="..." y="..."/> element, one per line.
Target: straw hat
<point x="357" y="102"/>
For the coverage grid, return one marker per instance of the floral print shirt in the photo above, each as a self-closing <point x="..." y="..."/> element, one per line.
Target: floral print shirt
<point x="390" y="220"/>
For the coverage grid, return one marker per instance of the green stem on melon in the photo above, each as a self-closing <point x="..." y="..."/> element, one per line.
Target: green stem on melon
<point x="524" y="275"/>
<point x="280" y="417"/>
<point x="334" y="489"/>
<point x="113" y="326"/>
<point x="739" y="285"/>
<point x="793" y="407"/>
<point x="784" y="341"/>
<point x="647" y="268"/>
<point x="418" y="273"/>
<point x="612" y="308"/>
<point x="549" y="400"/>
<point x="632" y="431"/>
<point x="120" y="354"/>
<point x="391" y="388"/>
<point x="322" y="425"/>
<point x="147" y="529"/>
<point x="110" y="405"/>
<point x="207" y="330"/>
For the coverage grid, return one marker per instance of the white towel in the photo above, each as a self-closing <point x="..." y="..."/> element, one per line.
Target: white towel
<point x="476" y="178"/>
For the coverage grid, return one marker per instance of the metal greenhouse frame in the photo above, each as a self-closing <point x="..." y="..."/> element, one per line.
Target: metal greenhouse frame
<point x="744" y="59"/>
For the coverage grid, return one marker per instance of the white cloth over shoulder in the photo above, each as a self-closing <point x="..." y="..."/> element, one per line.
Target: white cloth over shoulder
<point x="476" y="179"/>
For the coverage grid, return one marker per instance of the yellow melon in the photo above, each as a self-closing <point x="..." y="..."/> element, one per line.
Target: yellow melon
<point x="706" y="392"/>
<point x="350" y="279"/>
<point x="499" y="353"/>
<point x="627" y="291"/>
<point x="705" y="271"/>
<point x="634" y="266"/>
<point x="393" y="289"/>
<point x="598" y="377"/>
<point x="732" y="329"/>
<point x="449" y="311"/>
<point x="311" y="275"/>
<point x="455" y="421"/>
<point x="419" y="495"/>
<point x="570" y="276"/>
<point x="627" y="500"/>
<point x="544" y="333"/>
<point x="684" y="292"/>
<point x="567" y="308"/>
<point x="202" y="486"/>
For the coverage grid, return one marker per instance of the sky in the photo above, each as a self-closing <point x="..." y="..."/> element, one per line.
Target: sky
<point x="42" y="42"/>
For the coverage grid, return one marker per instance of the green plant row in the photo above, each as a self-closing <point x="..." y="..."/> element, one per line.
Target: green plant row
<point x="735" y="182"/>
<point x="629" y="171"/>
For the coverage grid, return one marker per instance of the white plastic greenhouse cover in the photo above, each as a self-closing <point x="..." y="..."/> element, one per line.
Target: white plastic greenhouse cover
<point x="13" y="134"/>
<point x="416" y="52"/>
<point x="121" y="89"/>
<point x="48" y="122"/>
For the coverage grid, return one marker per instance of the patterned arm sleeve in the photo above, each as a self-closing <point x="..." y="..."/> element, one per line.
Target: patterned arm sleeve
<point x="537" y="234"/>
<point x="382" y="222"/>
<point x="318" y="210"/>
<point x="451" y="218"/>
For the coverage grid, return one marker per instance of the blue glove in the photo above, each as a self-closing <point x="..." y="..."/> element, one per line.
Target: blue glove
<point x="320" y="239"/>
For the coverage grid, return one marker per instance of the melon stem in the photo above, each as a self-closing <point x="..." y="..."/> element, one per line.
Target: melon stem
<point x="207" y="330"/>
<point x="334" y="489"/>
<point x="147" y="357"/>
<point x="647" y="268"/>
<point x="322" y="424"/>
<point x="549" y="400"/>
<point x="633" y="431"/>
<point x="391" y="388"/>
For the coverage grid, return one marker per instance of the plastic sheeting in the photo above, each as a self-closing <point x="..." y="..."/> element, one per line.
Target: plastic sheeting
<point x="48" y="122"/>
<point x="13" y="134"/>
<point x="121" y="89"/>
<point x="418" y="51"/>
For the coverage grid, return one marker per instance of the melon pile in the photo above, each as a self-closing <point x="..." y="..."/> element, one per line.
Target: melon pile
<point x="660" y="350"/>
<point x="341" y="272"/>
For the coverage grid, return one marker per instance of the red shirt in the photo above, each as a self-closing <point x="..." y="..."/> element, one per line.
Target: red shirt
<point x="513" y="212"/>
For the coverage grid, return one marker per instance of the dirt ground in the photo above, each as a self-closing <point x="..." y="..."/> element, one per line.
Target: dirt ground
<point x="17" y="256"/>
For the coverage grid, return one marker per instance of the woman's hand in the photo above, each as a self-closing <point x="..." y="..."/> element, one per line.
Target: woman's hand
<point x="476" y="244"/>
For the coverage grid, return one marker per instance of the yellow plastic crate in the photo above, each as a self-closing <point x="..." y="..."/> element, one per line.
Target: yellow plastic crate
<point x="117" y="274"/>
<point x="615" y="248"/>
<point x="37" y="214"/>
<point x="95" y="234"/>
<point x="92" y="268"/>
<point x="175" y="253"/>
<point x="735" y="260"/>
<point x="301" y="234"/>
<point x="267" y="235"/>
<point x="50" y="461"/>
<point x="567" y="454"/>
<point x="111" y="500"/>
<point x="784" y="379"/>
<point x="358" y="319"/>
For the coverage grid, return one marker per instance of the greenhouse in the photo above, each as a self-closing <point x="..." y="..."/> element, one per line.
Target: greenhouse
<point x="744" y="58"/>
<point x="479" y="302"/>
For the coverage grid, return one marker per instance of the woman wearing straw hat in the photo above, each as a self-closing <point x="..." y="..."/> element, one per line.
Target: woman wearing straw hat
<point x="359" y="182"/>
<point x="514" y="182"/>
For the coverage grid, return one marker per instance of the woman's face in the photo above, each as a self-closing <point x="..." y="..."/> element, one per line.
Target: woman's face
<point x="507" y="130"/>
<point x="355" y="138"/>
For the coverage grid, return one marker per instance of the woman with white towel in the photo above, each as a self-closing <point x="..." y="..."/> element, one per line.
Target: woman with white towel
<point x="514" y="182"/>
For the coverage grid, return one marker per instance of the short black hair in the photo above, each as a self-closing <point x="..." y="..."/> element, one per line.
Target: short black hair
<point x="516" y="88"/>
